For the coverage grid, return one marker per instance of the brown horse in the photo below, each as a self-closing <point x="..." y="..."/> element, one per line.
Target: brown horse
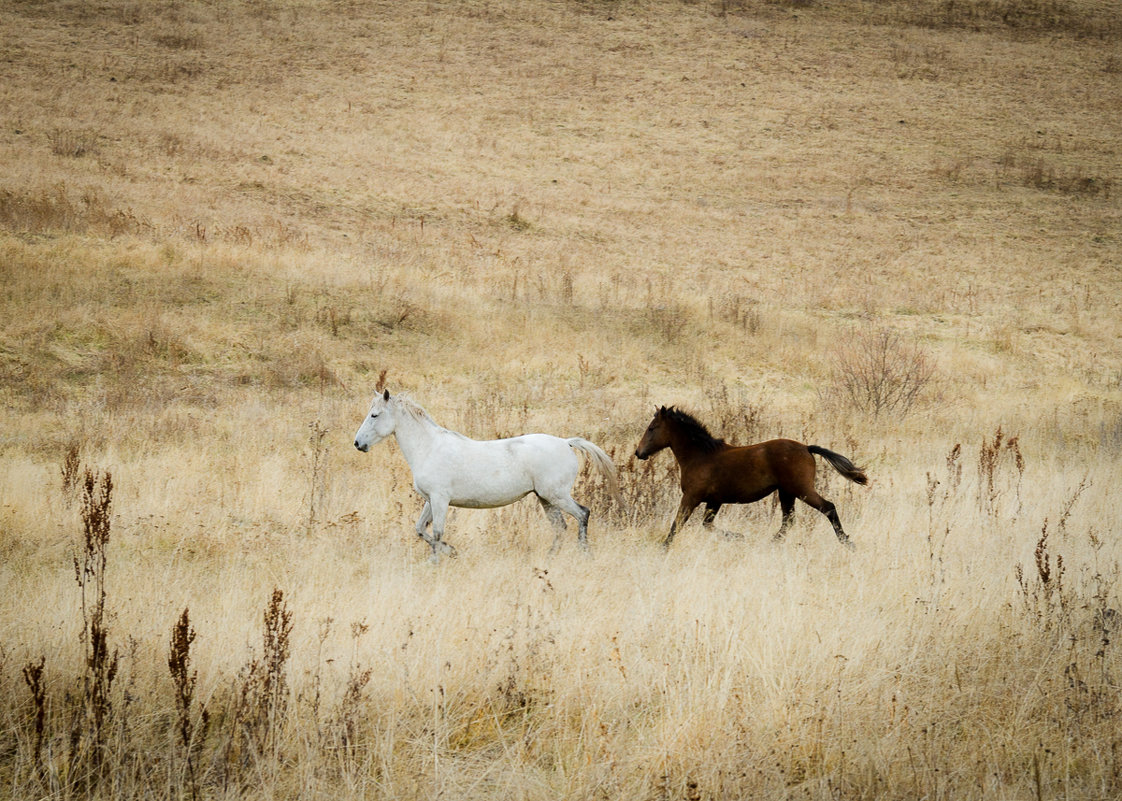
<point x="715" y="473"/>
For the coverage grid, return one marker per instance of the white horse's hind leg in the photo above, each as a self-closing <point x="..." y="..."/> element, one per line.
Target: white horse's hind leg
<point x="557" y="519"/>
<point x="578" y="513"/>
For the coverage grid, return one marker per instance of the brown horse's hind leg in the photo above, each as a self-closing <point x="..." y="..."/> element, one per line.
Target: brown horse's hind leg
<point x="827" y="508"/>
<point x="787" y="507"/>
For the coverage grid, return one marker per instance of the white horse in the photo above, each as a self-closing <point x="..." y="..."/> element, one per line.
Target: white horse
<point x="450" y="469"/>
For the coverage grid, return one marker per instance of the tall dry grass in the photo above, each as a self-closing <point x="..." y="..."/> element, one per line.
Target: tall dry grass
<point x="220" y="223"/>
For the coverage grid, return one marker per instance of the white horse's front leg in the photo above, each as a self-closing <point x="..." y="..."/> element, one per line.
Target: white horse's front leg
<point x="439" y="512"/>
<point x="424" y="520"/>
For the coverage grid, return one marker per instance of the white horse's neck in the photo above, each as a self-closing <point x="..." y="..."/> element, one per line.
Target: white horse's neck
<point x="415" y="432"/>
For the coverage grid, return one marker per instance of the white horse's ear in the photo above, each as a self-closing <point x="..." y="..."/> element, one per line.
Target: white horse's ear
<point x="386" y="396"/>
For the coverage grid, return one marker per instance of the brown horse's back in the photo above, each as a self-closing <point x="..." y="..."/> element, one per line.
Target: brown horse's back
<point x="748" y="473"/>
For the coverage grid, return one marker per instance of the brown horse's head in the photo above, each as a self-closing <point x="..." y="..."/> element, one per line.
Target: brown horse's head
<point x="656" y="437"/>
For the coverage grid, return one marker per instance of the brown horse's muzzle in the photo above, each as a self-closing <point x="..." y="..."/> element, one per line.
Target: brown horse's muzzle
<point x="639" y="455"/>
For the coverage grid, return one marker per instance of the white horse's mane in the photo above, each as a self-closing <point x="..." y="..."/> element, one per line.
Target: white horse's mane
<point x="411" y="407"/>
<point x="415" y="410"/>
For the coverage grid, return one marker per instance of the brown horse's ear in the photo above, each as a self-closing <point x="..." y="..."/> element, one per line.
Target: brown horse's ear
<point x="386" y="396"/>
<point x="662" y="410"/>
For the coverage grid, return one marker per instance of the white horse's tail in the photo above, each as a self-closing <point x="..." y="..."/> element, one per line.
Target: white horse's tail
<point x="603" y="463"/>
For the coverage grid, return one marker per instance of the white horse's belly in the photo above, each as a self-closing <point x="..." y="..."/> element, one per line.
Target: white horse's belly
<point x="489" y="483"/>
<point x="487" y="502"/>
<point x="484" y="475"/>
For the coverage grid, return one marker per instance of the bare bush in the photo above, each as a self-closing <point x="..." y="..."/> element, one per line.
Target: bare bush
<point x="880" y="373"/>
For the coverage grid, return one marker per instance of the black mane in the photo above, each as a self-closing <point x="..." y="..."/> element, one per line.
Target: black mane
<point x="694" y="430"/>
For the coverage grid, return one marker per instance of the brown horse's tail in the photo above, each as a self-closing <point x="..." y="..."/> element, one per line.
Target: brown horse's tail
<point x="841" y="464"/>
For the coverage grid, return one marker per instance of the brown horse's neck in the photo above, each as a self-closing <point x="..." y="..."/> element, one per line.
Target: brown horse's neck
<point x="690" y="440"/>
<point x="685" y="450"/>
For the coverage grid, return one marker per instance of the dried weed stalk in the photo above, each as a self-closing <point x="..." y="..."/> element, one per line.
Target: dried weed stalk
<point x="87" y="738"/>
<point x="33" y="676"/>
<point x="260" y="699"/>
<point x="991" y="455"/>
<point x="71" y="471"/>
<point x="1044" y="594"/>
<point x="185" y="680"/>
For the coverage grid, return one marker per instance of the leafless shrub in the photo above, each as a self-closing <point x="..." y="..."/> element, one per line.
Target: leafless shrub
<point x="878" y="372"/>
<point x="180" y="39"/>
<point x="516" y="220"/>
<point x="1035" y="172"/>
<point x="55" y="209"/>
<point x="1069" y="504"/>
<point x="1033" y="16"/>
<point x="73" y="144"/>
<point x="305" y="367"/>
<point x="670" y="322"/>
<point x="737" y="310"/>
<point x="734" y="414"/>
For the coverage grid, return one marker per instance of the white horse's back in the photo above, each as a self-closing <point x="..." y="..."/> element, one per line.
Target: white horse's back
<point x="483" y="474"/>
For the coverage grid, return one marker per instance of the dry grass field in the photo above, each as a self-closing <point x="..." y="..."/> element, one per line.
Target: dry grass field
<point x="892" y="228"/>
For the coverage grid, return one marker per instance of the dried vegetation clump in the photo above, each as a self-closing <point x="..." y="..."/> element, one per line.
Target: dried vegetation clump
<point x="888" y="229"/>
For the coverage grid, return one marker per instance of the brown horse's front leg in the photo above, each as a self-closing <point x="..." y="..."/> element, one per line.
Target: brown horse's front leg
<point x="685" y="509"/>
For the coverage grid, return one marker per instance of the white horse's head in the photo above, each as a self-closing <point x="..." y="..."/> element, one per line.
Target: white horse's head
<point x="380" y="422"/>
